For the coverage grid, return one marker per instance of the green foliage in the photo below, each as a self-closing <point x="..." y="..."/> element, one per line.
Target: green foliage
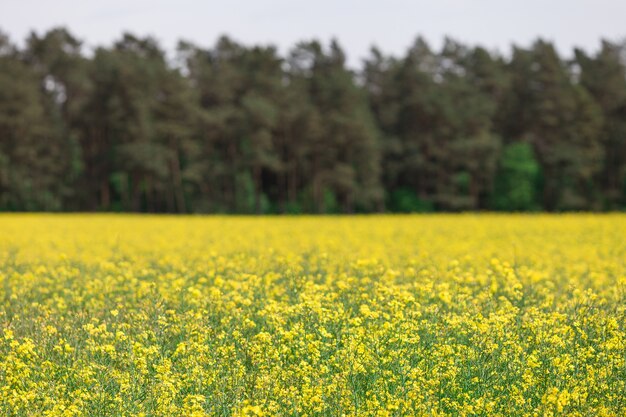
<point x="293" y="207"/>
<point x="517" y="179"/>
<point x="406" y="201"/>
<point x="462" y="182"/>
<point x="330" y="202"/>
<point x="243" y="129"/>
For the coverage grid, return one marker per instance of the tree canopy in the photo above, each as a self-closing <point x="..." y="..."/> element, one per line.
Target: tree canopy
<point x="243" y="129"/>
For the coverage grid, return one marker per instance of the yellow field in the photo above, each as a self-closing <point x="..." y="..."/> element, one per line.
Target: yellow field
<point x="463" y="315"/>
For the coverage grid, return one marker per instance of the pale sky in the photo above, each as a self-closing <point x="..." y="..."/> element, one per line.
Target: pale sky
<point x="392" y="25"/>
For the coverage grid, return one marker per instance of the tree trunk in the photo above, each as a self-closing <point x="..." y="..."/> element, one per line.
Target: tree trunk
<point x="317" y="188"/>
<point x="232" y="150"/>
<point x="257" y="189"/>
<point x="136" y="193"/>
<point x="292" y="184"/>
<point x="178" y="185"/>
<point x="105" y="195"/>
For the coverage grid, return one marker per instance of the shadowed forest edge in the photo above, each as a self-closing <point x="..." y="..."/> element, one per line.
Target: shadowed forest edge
<point x="242" y="129"/>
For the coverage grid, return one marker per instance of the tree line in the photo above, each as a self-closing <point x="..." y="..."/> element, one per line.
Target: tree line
<point x="244" y="129"/>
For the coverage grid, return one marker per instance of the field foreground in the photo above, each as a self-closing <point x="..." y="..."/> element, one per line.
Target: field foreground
<point x="461" y="315"/>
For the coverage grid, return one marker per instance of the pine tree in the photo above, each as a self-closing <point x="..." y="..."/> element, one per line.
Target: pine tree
<point x="604" y="77"/>
<point x="560" y="120"/>
<point x="33" y="160"/>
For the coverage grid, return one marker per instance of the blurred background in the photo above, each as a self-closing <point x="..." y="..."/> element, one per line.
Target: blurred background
<point x="317" y="107"/>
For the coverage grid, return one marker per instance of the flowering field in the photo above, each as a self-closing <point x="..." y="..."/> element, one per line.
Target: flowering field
<point x="462" y="315"/>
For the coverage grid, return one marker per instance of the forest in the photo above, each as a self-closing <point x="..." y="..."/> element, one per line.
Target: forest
<point x="236" y="128"/>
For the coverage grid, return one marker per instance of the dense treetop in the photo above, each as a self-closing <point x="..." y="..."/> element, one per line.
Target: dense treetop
<point x="243" y="129"/>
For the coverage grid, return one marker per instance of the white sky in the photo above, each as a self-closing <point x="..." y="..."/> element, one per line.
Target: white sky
<point x="392" y="25"/>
